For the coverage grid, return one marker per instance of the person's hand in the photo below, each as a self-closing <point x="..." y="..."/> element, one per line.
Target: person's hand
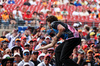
<point x="40" y="48"/>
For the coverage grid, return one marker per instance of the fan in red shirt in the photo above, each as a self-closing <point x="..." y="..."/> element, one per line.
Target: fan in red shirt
<point x="28" y="18"/>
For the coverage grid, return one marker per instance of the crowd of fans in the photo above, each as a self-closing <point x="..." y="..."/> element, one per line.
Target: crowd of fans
<point x="90" y="8"/>
<point x="17" y="48"/>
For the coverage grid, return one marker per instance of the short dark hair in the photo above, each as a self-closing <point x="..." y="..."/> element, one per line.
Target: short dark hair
<point x="51" y="19"/>
<point x="87" y="28"/>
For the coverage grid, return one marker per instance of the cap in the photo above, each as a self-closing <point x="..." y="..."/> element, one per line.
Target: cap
<point x="34" y="52"/>
<point x="47" y="55"/>
<point x="83" y="40"/>
<point x="47" y="37"/>
<point x="17" y="39"/>
<point x="89" y="51"/>
<point x="92" y="33"/>
<point x="98" y="34"/>
<point x="80" y="51"/>
<point x="26" y="63"/>
<point x="1" y="39"/>
<point x="26" y="51"/>
<point x="85" y="46"/>
<point x="5" y="56"/>
<point x="59" y="42"/>
<point x="75" y="25"/>
<point x="50" y="49"/>
<point x="44" y="43"/>
<point x="34" y="40"/>
<point x="16" y="54"/>
<point x="23" y="37"/>
<point x="41" y="22"/>
<point x="26" y="44"/>
<point x="97" y="54"/>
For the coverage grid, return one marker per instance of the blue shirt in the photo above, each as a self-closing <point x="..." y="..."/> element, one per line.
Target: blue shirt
<point x="77" y="4"/>
<point x="11" y="2"/>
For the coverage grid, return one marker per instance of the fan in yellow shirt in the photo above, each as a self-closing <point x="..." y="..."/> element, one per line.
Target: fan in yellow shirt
<point x="59" y="16"/>
<point x="5" y="19"/>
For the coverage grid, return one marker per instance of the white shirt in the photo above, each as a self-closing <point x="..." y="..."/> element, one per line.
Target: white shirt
<point x="84" y="14"/>
<point x="44" y="10"/>
<point x="33" y="3"/>
<point x="22" y="63"/>
<point x="19" y="12"/>
<point x="75" y="13"/>
<point x="43" y="64"/>
<point x="56" y="9"/>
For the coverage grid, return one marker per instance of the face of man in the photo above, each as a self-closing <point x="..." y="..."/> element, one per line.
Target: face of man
<point x="8" y="52"/>
<point x="27" y="47"/>
<point x="26" y="56"/>
<point x="51" y="53"/>
<point x="5" y="46"/>
<point x="90" y="54"/>
<point x="49" y="24"/>
<point x="47" y="60"/>
<point x="35" y="55"/>
<point x="17" y="58"/>
<point x="17" y="43"/>
<point x="9" y="63"/>
<point x="24" y="40"/>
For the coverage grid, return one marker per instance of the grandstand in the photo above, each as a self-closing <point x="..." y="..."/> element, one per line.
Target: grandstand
<point x="70" y="8"/>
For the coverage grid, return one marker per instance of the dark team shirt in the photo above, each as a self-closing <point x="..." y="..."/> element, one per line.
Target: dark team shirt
<point x="69" y="31"/>
<point x="35" y="62"/>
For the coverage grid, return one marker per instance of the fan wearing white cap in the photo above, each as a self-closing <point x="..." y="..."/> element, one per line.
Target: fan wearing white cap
<point x="26" y="56"/>
<point x="47" y="39"/>
<point x="17" y="58"/>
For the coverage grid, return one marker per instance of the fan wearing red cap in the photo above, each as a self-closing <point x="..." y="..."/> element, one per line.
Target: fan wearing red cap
<point x="46" y="62"/>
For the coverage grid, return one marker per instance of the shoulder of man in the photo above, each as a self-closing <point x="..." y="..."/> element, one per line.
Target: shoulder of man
<point x="21" y="63"/>
<point x="31" y="63"/>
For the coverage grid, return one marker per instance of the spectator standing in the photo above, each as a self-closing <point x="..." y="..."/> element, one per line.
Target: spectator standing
<point x="27" y="3"/>
<point x="26" y="56"/>
<point x="11" y="2"/>
<point x="5" y="19"/>
<point x="8" y="51"/>
<point x="7" y="60"/>
<point x="79" y="60"/>
<point x="51" y="53"/>
<point x="46" y="61"/>
<point x="34" y="57"/>
<point x="17" y="58"/>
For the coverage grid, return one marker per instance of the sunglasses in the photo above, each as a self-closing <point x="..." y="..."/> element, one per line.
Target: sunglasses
<point x="47" y="59"/>
<point x="17" y="41"/>
<point x="8" y="52"/>
<point x="51" y="52"/>
<point x="35" y="53"/>
<point x="26" y="54"/>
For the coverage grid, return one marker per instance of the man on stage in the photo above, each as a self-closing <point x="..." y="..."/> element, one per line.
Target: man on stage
<point x="71" y="40"/>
